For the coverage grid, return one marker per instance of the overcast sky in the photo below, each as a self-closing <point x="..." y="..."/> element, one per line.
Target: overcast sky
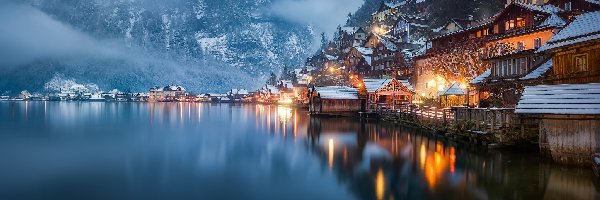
<point x="323" y="15"/>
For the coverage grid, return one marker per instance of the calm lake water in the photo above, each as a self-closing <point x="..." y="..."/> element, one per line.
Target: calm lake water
<point x="89" y="150"/>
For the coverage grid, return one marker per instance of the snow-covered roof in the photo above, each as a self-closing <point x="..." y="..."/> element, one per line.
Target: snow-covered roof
<point x="389" y="45"/>
<point x="394" y="4"/>
<point x="561" y="99"/>
<point x="373" y="85"/>
<point x="364" y="50"/>
<point x="541" y="70"/>
<point x="173" y="88"/>
<point x="337" y="92"/>
<point x="287" y="84"/>
<point x="368" y="59"/>
<point x="548" y="8"/>
<point x="481" y="77"/>
<point x="454" y="89"/>
<point x="330" y="57"/>
<point x="584" y="28"/>
<point x="272" y="89"/>
<point x="554" y="21"/>
<point x="239" y="91"/>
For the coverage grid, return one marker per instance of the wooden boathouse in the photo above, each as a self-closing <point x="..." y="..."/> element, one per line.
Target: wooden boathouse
<point x="334" y="100"/>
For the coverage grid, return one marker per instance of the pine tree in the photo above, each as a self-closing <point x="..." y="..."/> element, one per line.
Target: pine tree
<point x="272" y="79"/>
<point x="324" y="40"/>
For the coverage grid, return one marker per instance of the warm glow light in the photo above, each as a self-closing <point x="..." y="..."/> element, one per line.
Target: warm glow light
<point x="380" y="184"/>
<point x="432" y="83"/>
<point x="441" y="88"/>
<point x="286" y="100"/>
<point x="330" y="153"/>
<point x="463" y="86"/>
<point x="284" y="113"/>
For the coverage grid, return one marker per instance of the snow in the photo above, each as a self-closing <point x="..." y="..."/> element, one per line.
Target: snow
<point x="368" y="59"/>
<point x="541" y="70"/>
<point x="561" y="99"/>
<point x="394" y="4"/>
<point x="389" y="45"/>
<point x="364" y="50"/>
<point x="350" y="30"/>
<point x="584" y="28"/>
<point x="372" y="85"/>
<point x="337" y="92"/>
<point x="330" y="57"/>
<point x="481" y="77"/>
<point x="454" y="89"/>
<point x="548" y="8"/>
<point x="553" y="21"/>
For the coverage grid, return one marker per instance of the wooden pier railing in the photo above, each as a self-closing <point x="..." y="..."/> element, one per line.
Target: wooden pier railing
<point x="497" y="124"/>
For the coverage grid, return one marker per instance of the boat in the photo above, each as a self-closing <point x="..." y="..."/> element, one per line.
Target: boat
<point x="596" y="164"/>
<point x="4" y="98"/>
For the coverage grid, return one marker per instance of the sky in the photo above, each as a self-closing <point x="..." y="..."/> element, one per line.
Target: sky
<point x="323" y="15"/>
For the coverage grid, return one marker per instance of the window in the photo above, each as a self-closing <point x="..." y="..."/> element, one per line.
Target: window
<point x="568" y="6"/>
<point x="504" y="68"/>
<point x="581" y="62"/>
<point x="523" y="65"/>
<point x="514" y="66"/>
<point x="520" y="46"/>
<point x="510" y="24"/>
<point x="520" y="22"/>
<point x="537" y="42"/>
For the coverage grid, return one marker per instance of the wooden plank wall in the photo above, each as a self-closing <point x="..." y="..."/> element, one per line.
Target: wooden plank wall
<point x="571" y="139"/>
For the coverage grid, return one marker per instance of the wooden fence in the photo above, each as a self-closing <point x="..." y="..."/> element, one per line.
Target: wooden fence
<point x="497" y="124"/>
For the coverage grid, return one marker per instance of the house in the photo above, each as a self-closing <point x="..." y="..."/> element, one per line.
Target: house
<point x="569" y="120"/>
<point x="351" y="37"/>
<point x="519" y="30"/>
<point x="576" y="51"/>
<point x="387" y="10"/>
<point x="573" y="101"/>
<point x="166" y="94"/>
<point x="409" y="28"/>
<point x="358" y="60"/>
<point x="384" y="55"/>
<point x="388" y="93"/>
<point x="334" y="100"/>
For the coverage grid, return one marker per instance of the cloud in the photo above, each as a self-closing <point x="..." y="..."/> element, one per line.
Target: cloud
<point x="323" y="15"/>
<point x="28" y="35"/>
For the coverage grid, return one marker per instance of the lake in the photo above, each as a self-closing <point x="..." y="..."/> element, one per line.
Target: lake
<point x="98" y="150"/>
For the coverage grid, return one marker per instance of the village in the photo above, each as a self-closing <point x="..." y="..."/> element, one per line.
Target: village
<point x="524" y="75"/>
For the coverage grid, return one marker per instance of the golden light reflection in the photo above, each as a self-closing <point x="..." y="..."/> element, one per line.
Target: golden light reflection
<point x="380" y="184"/>
<point x="331" y="153"/>
<point x="423" y="155"/>
<point x="284" y="114"/>
<point x="435" y="164"/>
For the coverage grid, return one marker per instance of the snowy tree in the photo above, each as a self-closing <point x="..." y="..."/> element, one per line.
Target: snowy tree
<point x="272" y="79"/>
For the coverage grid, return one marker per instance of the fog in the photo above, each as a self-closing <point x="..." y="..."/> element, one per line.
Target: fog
<point x="34" y="47"/>
<point x="323" y="15"/>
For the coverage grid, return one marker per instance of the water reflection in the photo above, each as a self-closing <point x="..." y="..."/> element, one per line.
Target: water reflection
<point x="391" y="162"/>
<point x="76" y="150"/>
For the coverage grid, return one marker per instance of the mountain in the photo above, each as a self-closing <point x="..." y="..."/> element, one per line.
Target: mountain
<point x="206" y="45"/>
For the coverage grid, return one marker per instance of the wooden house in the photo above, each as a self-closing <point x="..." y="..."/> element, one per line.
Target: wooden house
<point x="576" y="51"/>
<point x="358" y="60"/>
<point x="573" y="102"/>
<point x="388" y="93"/>
<point x="569" y="120"/>
<point x="334" y="100"/>
<point x="351" y="37"/>
<point x="455" y="95"/>
<point x="518" y="31"/>
<point x="384" y="54"/>
<point x="409" y="28"/>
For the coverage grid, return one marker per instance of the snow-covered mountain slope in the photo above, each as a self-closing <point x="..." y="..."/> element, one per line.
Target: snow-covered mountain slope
<point x="207" y="45"/>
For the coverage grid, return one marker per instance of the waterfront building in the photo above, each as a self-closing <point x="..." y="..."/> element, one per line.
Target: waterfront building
<point x="572" y="101"/>
<point x="334" y="100"/>
<point x="388" y="93"/>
